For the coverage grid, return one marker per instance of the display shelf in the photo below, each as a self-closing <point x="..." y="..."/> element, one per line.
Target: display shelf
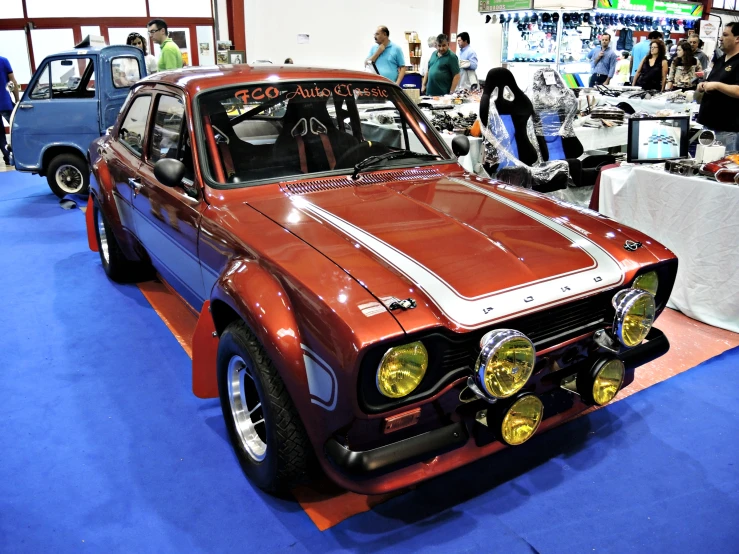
<point x="415" y="53"/>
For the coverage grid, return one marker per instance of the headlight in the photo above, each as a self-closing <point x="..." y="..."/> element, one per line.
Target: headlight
<point x="634" y="316"/>
<point x="608" y="379"/>
<point x="648" y="282"/>
<point x="505" y="363"/>
<point x="401" y="369"/>
<point x="522" y="420"/>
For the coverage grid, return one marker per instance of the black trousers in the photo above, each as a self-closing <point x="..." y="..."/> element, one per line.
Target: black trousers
<point x="597" y="79"/>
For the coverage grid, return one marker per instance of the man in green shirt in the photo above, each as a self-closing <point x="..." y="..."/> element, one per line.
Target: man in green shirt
<point x="170" y="56"/>
<point x="442" y="76"/>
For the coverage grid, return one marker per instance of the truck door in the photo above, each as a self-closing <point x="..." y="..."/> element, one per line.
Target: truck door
<point x="60" y="106"/>
<point x="118" y="72"/>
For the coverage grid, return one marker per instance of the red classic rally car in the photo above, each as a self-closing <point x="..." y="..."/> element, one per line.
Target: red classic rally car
<point x="363" y="301"/>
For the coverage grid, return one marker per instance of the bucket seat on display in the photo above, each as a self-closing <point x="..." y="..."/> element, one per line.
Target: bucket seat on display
<point x="506" y="114"/>
<point x="555" y="108"/>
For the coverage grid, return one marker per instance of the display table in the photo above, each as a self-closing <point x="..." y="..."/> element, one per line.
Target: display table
<point x="650" y="106"/>
<point x="594" y="138"/>
<point x="695" y="218"/>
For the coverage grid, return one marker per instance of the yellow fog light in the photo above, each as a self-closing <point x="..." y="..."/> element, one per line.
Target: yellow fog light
<point x="608" y="379"/>
<point x="634" y="316"/>
<point x="505" y="362"/>
<point x="648" y="282"/>
<point x="401" y="369"/>
<point x="522" y="420"/>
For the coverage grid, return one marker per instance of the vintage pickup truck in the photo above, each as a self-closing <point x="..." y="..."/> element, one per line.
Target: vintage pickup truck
<point x="73" y="97"/>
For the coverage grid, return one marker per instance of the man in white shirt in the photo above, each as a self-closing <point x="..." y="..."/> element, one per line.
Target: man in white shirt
<point x="427" y="54"/>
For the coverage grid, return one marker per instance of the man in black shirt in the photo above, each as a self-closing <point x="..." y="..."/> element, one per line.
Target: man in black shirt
<point x="720" y="105"/>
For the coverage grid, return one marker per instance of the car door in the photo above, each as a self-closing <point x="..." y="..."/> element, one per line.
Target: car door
<point x="59" y="106"/>
<point x="168" y="218"/>
<point x="124" y="155"/>
<point x="118" y="74"/>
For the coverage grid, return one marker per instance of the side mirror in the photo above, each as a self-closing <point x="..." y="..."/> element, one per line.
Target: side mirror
<point x="169" y="172"/>
<point x="460" y="145"/>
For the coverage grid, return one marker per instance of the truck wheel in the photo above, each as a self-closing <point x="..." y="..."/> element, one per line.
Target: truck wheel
<point x="119" y="268"/>
<point x="265" y="429"/>
<point x="68" y="174"/>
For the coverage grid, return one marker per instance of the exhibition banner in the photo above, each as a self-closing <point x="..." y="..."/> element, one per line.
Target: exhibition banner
<point x="659" y="7"/>
<point x="485" y="6"/>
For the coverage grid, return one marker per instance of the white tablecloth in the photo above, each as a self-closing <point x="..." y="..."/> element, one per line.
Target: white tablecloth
<point x="650" y="106"/>
<point x="593" y="138"/>
<point x="698" y="220"/>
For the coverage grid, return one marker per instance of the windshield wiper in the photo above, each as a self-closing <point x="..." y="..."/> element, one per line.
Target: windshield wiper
<point x="373" y="160"/>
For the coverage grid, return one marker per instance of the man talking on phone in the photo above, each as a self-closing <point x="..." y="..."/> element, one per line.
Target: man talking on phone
<point x="602" y="62"/>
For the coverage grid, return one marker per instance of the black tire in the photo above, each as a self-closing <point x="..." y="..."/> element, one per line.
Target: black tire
<point x="115" y="263"/>
<point x="68" y="174"/>
<point x="288" y="458"/>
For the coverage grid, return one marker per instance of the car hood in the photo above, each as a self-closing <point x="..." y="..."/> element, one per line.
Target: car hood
<point x="468" y="252"/>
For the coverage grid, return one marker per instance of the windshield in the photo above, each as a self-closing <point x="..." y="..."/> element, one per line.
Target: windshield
<point x="279" y="131"/>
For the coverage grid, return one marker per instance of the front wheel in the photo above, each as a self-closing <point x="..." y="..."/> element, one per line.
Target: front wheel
<point x="265" y="429"/>
<point x="68" y="174"/>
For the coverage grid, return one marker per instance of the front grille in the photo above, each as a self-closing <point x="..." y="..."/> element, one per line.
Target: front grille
<point x="453" y="355"/>
<point x="305" y="187"/>
<point x="546" y="328"/>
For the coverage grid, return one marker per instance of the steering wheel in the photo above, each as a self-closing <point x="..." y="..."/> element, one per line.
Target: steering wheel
<point x="360" y="151"/>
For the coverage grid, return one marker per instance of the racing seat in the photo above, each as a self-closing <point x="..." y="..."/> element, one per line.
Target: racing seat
<point x="555" y="109"/>
<point x="507" y="112"/>
<point x="238" y="157"/>
<point x="309" y="139"/>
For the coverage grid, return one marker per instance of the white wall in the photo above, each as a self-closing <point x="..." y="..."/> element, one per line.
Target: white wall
<point x="486" y="39"/>
<point x="85" y="8"/>
<point x="341" y="31"/>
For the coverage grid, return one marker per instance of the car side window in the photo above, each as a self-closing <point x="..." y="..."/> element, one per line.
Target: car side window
<point x="70" y="77"/>
<point x="133" y="128"/>
<point x="125" y="71"/>
<point x="167" y="129"/>
<point x="41" y="90"/>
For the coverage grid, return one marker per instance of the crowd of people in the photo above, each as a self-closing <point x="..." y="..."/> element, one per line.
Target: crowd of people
<point x="656" y="65"/>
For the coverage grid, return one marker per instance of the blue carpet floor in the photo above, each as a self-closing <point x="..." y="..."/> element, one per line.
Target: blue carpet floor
<point x="103" y="448"/>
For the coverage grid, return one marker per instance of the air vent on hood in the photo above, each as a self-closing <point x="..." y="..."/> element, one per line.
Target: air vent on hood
<point x="304" y="187"/>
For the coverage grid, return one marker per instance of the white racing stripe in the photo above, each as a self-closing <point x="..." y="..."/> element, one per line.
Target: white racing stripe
<point x="605" y="272"/>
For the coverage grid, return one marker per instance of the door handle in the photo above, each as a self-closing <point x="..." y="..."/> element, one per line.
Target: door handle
<point x="26" y="106"/>
<point x="134" y="184"/>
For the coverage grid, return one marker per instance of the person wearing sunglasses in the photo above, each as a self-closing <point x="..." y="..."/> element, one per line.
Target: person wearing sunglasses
<point x="135" y="39"/>
<point x="170" y="57"/>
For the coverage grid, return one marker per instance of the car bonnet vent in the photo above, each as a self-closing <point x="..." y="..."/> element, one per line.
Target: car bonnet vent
<point x="305" y="187"/>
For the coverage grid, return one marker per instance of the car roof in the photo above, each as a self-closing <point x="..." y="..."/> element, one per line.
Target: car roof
<point x="195" y="79"/>
<point x="91" y="49"/>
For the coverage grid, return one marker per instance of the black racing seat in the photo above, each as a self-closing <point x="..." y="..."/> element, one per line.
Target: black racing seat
<point x="238" y="157"/>
<point x="309" y="140"/>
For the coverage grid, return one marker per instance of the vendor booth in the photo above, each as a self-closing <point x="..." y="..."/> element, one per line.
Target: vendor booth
<point x="543" y="33"/>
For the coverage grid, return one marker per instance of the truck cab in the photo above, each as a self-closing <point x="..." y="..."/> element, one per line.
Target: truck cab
<point x="72" y="99"/>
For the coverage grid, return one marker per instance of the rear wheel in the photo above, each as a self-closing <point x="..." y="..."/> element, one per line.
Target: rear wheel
<point x="265" y="429"/>
<point x="68" y="174"/>
<point x="116" y="265"/>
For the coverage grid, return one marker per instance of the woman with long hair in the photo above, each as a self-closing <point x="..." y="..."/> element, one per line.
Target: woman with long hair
<point x="683" y="69"/>
<point x="135" y="39"/>
<point x="652" y="72"/>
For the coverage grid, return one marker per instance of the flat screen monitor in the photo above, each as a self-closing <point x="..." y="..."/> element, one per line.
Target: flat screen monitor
<point x="656" y="139"/>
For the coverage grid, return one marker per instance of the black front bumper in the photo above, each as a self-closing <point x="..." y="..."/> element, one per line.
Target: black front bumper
<point x="445" y="439"/>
